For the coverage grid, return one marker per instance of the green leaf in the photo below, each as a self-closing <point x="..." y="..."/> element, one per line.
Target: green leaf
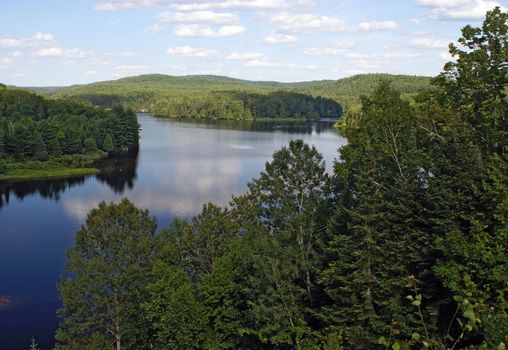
<point x="396" y="346"/>
<point x="416" y="303"/>
<point x="458" y="298"/>
<point x="382" y="341"/>
<point x="425" y="344"/>
<point x="415" y="336"/>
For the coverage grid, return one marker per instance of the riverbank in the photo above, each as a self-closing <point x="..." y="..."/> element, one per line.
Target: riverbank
<point x="64" y="166"/>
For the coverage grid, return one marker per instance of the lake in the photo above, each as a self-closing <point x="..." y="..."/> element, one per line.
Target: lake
<point x="181" y="165"/>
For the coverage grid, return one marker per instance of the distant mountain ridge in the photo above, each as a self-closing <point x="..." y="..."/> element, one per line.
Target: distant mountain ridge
<point x="173" y="95"/>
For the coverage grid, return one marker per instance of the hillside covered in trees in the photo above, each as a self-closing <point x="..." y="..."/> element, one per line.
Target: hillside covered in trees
<point x="222" y="97"/>
<point x="404" y="246"/>
<point x="50" y="132"/>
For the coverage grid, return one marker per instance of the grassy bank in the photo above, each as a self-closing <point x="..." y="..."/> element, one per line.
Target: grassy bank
<point x="64" y="166"/>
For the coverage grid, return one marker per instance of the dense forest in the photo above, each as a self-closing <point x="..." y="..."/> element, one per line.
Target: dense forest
<point x="200" y="102"/>
<point x="40" y="129"/>
<point x="404" y="246"/>
<point x="215" y="96"/>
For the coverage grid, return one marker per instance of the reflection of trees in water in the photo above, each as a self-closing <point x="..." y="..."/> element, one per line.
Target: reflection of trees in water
<point x="118" y="172"/>
<point x="49" y="189"/>
<point x="291" y="127"/>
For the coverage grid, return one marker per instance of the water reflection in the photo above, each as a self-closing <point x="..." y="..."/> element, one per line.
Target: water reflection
<point x="118" y="172"/>
<point x="181" y="165"/>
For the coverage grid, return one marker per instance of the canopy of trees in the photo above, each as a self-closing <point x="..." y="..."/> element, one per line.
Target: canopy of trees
<point x="193" y="100"/>
<point x="404" y="246"/>
<point x="33" y="127"/>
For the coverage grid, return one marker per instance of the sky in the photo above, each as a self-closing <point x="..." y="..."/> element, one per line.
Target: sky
<point x="63" y="42"/>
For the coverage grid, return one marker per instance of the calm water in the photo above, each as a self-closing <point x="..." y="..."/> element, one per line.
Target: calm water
<point x="180" y="166"/>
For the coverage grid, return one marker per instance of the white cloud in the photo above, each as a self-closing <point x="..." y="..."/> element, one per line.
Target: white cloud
<point x="16" y="54"/>
<point x="318" y="51"/>
<point x="154" y="28"/>
<point x="43" y="36"/>
<point x="237" y="56"/>
<point x="59" y="52"/>
<point x="51" y="52"/>
<point x="233" y="4"/>
<point x="377" y="25"/>
<point x="459" y="9"/>
<point x="260" y="63"/>
<point x="187" y="51"/>
<point x="279" y="38"/>
<point x="415" y="21"/>
<point x="445" y="56"/>
<point x="381" y="56"/>
<point x="90" y="72"/>
<point x="307" y="23"/>
<point x="121" y="5"/>
<point x="430" y="43"/>
<point x="198" y="30"/>
<point x="198" y="17"/>
<point x="8" y="42"/>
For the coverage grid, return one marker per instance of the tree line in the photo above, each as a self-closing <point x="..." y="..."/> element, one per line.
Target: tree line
<point x="404" y="246"/>
<point x="36" y="128"/>
<point x="200" y="103"/>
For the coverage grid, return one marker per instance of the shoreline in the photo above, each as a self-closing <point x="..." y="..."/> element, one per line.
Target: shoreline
<point x="48" y="174"/>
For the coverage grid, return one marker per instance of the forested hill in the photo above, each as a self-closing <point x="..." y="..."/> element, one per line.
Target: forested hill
<point x="223" y="97"/>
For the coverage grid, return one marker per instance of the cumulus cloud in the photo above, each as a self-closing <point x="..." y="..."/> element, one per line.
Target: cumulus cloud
<point x="430" y="43"/>
<point x="306" y="23"/>
<point x="238" y="56"/>
<point x="458" y="9"/>
<point x="279" y="38"/>
<point x="43" y="36"/>
<point x="154" y="28"/>
<point x="198" y="30"/>
<point x="188" y="51"/>
<point x="122" y="5"/>
<point x="198" y="17"/>
<point x="54" y="52"/>
<point x="8" y="42"/>
<point x="377" y="25"/>
<point x="234" y="4"/>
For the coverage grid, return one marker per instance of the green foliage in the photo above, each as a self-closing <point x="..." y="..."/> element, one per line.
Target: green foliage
<point x="108" y="270"/>
<point x="177" y="317"/>
<point x="405" y="246"/>
<point x="36" y="128"/>
<point x="107" y="144"/>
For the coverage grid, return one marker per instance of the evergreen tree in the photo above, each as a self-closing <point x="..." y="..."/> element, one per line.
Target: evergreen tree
<point x="90" y="145"/>
<point x="40" y="150"/>
<point x="107" y="144"/>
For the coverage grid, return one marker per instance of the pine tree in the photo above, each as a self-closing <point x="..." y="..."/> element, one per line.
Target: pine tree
<point x="107" y="144"/>
<point x="40" y="150"/>
<point x="90" y="145"/>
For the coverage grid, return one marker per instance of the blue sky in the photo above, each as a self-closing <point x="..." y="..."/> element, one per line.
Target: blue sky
<point x="62" y="42"/>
